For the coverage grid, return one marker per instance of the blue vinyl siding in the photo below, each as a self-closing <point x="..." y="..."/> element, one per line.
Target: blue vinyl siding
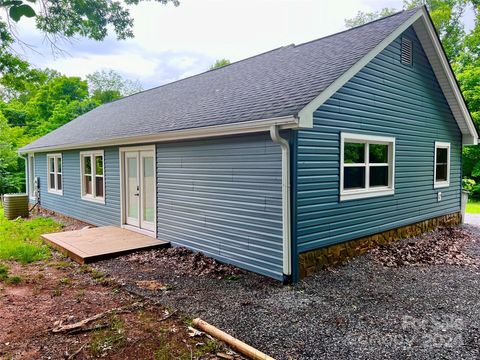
<point x="223" y="197"/>
<point x="71" y="203"/>
<point x="385" y="98"/>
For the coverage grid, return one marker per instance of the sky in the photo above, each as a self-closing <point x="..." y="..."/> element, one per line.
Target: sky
<point x="171" y="42"/>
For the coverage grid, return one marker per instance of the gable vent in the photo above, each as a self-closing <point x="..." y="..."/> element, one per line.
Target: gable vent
<point x="406" y="51"/>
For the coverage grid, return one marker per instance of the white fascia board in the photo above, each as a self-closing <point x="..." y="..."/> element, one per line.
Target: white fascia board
<point x="306" y="114"/>
<point x="433" y="48"/>
<point x="286" y="122"/>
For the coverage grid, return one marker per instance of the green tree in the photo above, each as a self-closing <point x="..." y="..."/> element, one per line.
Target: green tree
<point x="220" y="63"/>
<point x="11" y="179"/>
<point x="69" y="18"/>
<point x="106" y="86"/>
<point x="365" y="17"/>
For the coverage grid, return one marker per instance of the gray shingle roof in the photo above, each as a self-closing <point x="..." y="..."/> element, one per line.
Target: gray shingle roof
<point x="273" y="84"/>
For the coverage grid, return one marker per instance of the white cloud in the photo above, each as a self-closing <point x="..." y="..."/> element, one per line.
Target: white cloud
<point x="174" y="42"/>
<point x="134" y="65"/>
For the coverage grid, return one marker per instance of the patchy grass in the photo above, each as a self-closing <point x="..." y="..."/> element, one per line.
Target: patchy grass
<point x="109" y="339"/>
<point x="14" y="280"/>
<point x="20" y="239"/>
<point x="3" y="272"/>
<point x="5" y="276"/>
<point x="473" y="207"/>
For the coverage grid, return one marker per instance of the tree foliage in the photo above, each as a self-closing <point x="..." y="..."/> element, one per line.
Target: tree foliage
<point x="365" y="17"/>
<point x="39" y="105"/>
<point x="91" y="19"/>
<point x="109" y="85"/>
<point x="220" y="63"/>
<point x="33" y="101"/>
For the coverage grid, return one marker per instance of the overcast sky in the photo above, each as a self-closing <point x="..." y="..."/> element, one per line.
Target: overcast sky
<point x="175" y="42"/>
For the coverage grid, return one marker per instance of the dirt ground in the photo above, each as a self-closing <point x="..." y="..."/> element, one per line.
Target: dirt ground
<point x="59" y="292"/>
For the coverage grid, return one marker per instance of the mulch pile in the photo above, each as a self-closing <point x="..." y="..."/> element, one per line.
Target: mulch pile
<point x="444" y="246"/>
<point x="184" y="262"/>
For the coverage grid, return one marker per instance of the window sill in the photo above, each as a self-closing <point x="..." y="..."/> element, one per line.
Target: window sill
<point x="94" y="200"/>
<point x="364" y="194"/>
<point x="56" y="192"/>
<point x="442" y="184"/>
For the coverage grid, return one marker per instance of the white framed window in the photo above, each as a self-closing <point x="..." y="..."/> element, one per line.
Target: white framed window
<point x="92" y="174"/>
<point x="441" y="171"/>
<point x="54" y="178"/>
<point x="367" y="166"/>
<point x="31" y="176"/>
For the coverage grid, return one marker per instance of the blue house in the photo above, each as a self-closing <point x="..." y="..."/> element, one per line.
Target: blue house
<point x="278" y="163"/>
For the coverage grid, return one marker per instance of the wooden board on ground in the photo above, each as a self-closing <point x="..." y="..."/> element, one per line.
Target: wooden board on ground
<point x="93" y="244"/>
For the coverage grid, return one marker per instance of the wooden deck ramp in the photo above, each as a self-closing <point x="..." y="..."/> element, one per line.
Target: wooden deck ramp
<point x="93" y="244"/>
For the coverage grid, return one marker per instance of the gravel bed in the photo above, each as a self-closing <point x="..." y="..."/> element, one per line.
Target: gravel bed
<point x="362" y="310"/>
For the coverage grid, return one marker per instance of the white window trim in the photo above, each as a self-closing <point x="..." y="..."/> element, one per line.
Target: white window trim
<point x="441" y="184"/>
<point x="55" y="157"/>
<point x="31" y="176"/>
<point x="367" y="192"/>
<point x="92" y="197"/>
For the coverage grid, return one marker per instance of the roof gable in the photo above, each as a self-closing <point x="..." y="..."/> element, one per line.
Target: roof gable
<point x="281" y="86"/>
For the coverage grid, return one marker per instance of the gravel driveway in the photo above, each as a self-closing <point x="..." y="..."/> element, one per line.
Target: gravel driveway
<point x="361" y="310"/>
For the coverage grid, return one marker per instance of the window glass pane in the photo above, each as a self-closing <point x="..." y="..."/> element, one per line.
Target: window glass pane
<point x="99" y="186"/>
<point x="87" y="165"/>
<point x="441" y="172"/>
<point x="59" y="164"/>
<point x="378" y="176"/>
<point x="442" y="155"/>
<point x="59" y="181"/>
<point x="354" y="153"/>
<point x="51" y="166"/>
<point x="99" y="165"/>
<point x="354" y="178"/>
<point x="52" y="181"/>
<point x="378" y="153"/>
<point x="88" y="184"/>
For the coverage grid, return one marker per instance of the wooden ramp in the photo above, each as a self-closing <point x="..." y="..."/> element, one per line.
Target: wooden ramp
<point x="93" y="244"/>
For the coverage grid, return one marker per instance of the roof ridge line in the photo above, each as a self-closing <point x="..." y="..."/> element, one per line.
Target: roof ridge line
<point x="203" y="72"/>
<point x="359" y="26"/>
<point x="263" y="53"/>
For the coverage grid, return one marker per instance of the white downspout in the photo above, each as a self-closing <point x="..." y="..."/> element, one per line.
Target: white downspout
<point x="287" y="243"/>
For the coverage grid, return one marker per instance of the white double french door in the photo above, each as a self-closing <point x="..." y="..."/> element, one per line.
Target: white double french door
<point x="139" y="189"/>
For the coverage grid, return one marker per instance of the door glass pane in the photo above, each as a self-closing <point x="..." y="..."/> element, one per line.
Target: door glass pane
<point x="148" y="190"/>
<point x="354" y="153"/>
<point x="378" y="153"/>
<point x="132" y="198"/>
<point x="378" y="176"/>
<point x="354" y="178"/>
